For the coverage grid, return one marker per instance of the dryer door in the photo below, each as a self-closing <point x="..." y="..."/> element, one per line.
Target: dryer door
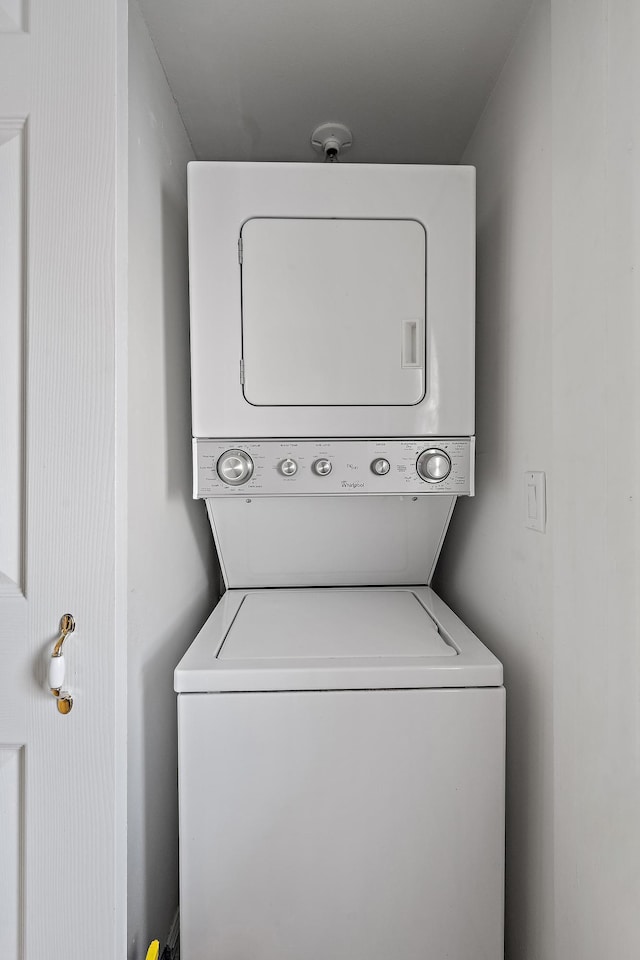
<point x="333" y="311"/>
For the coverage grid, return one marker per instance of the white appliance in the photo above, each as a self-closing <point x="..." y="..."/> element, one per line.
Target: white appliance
<point x="341" y="732"/>
<point x="331" y="300"/>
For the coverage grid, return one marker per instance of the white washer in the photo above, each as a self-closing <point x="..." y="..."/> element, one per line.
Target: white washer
<point x="341" y="780"/>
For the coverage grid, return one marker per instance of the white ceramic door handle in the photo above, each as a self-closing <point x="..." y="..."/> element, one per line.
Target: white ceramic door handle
<point x="56" y="672"/>
<point x="64" y="699"/>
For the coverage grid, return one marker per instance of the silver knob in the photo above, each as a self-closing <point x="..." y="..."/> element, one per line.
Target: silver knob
<point x="433" y="465"/>
<point x="322" y="467"/>
<point x="380" y="466"/>
<point x="288" y="467"/>
<point x="235" y="467"/>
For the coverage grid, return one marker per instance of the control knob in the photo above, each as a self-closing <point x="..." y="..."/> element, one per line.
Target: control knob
<point x="433" y="465"/>
<point x="288" y="467"/>
<point x="235" y="467"/>
<point x="322" y="467"/>
<point x="380" y="466"/>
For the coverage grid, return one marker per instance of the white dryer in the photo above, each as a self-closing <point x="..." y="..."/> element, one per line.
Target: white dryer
<point x="331" y="300"/>
<point x="341" y="732"/>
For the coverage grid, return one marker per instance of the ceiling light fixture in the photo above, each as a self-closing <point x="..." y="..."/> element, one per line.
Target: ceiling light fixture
<point x="331" y="139"/>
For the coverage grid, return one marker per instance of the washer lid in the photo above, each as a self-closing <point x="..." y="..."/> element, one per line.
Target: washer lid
<point x="314" y="624"/>
<point x="334" y="638"/>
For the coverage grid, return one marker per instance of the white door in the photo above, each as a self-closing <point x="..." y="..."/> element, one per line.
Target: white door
<point x="61" y="777"/>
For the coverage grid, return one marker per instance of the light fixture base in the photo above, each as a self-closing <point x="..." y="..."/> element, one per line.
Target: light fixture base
<point x="331" y="139"/>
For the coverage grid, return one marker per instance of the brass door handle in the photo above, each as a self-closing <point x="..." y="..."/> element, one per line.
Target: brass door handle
<point x="64" y="700"/>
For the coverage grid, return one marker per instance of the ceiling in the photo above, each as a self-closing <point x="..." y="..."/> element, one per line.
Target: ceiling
<point x="252" y="78"/>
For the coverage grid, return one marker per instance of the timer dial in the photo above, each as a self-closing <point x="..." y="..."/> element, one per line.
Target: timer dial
<point x="433" y="465"/>
<point x="235" y="467"/>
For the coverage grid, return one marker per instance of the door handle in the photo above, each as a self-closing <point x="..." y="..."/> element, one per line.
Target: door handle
<point x="64" y="700"/>
<point x="411" y="330"/>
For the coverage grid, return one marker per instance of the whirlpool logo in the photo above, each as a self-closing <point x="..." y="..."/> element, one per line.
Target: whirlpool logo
<point x="352" y="484"/>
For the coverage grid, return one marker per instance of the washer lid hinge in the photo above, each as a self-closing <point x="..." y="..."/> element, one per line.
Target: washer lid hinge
<point x="240" y="250"/>
<point x="242" y="371"/>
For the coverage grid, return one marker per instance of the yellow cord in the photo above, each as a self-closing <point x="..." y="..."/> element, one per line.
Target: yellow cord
<point x="152" y="952"/>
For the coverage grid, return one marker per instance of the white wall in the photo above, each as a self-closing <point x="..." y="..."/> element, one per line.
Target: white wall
<point x="596" y="393"/>
<point x="558" y="361"/>
<point x="496" y="573"/>
<point x="171" y="568"/>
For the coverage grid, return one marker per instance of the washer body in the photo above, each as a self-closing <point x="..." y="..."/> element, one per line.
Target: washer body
<point x="341" y="780"/>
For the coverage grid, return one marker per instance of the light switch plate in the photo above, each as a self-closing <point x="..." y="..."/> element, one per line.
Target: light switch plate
<point x="535" y="500"/>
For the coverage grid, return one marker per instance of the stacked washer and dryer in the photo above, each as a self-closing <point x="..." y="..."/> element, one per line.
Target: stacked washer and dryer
<point x="341" y="731"/>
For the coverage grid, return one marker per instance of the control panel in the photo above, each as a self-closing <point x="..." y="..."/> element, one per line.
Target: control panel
<point x="284" y="468"/>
